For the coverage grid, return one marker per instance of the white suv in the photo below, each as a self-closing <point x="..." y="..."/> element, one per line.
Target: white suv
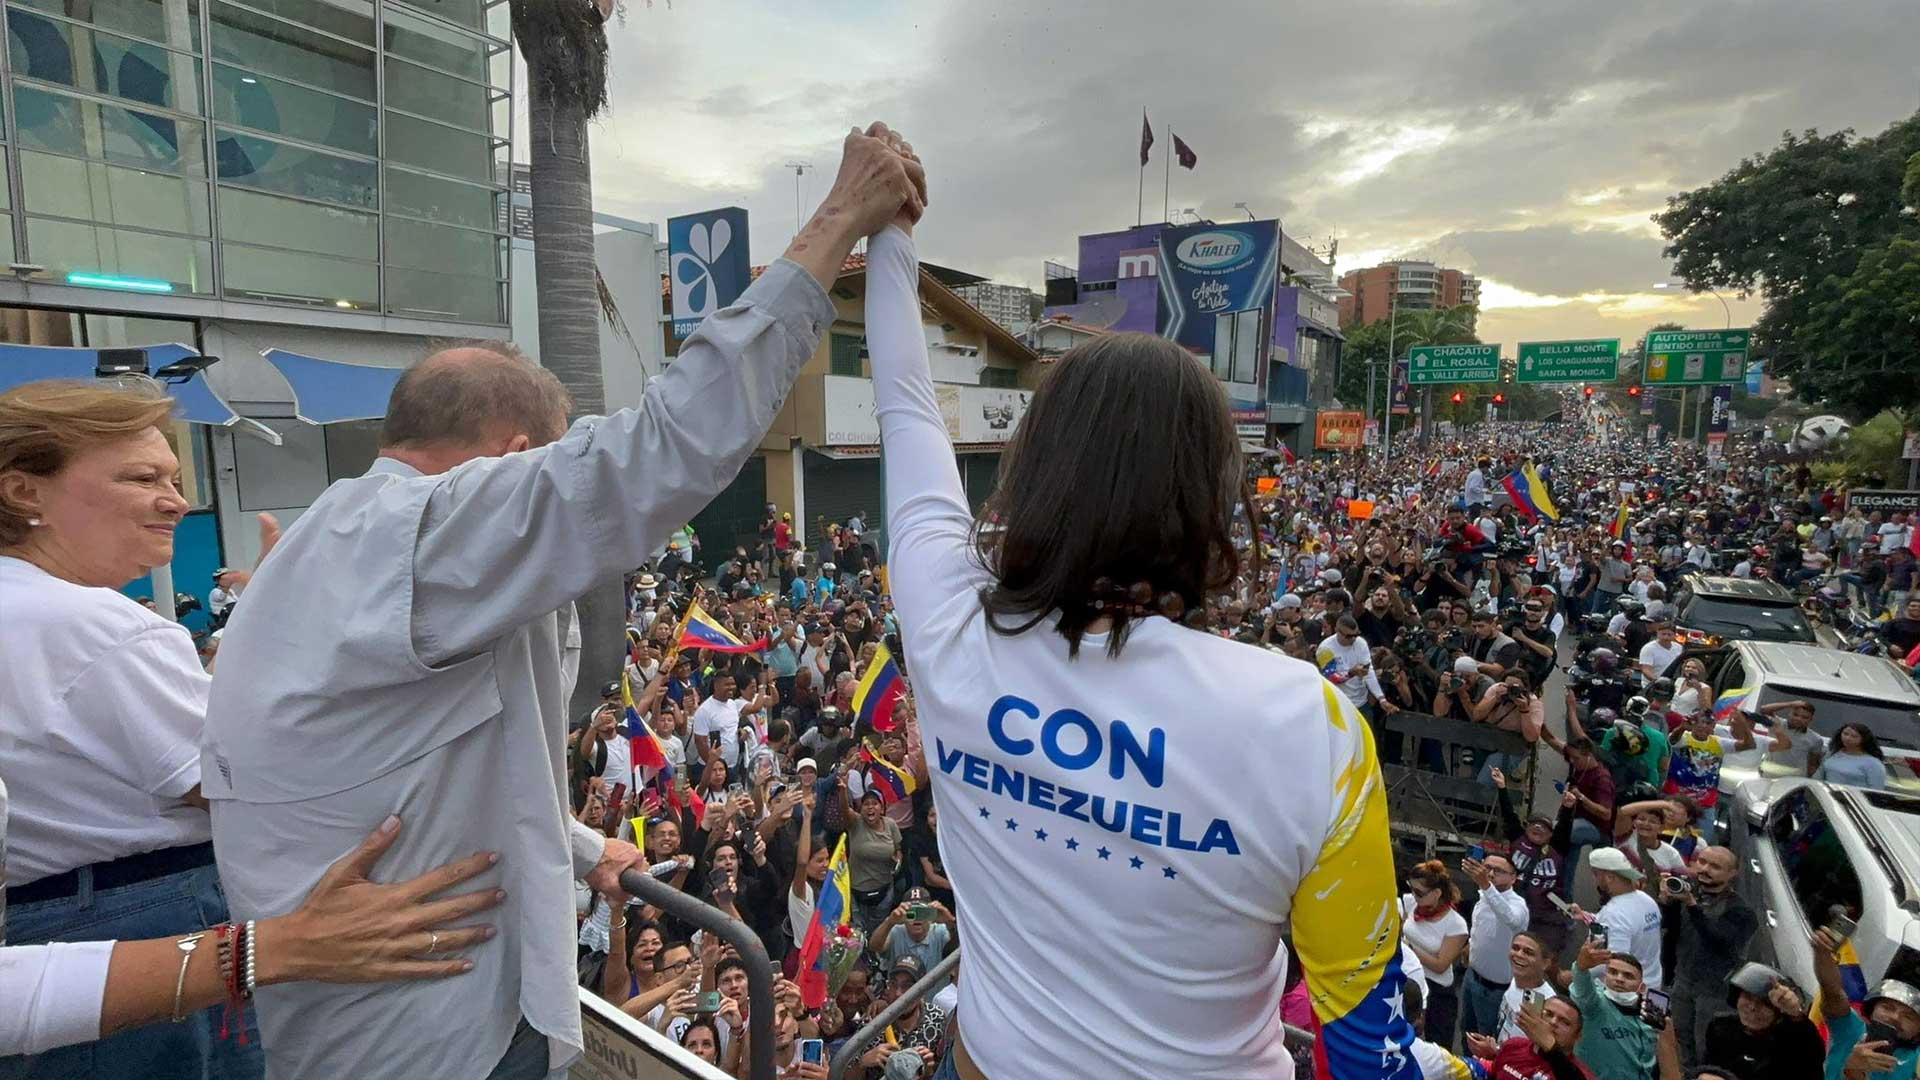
<point x="1806" y="847"/>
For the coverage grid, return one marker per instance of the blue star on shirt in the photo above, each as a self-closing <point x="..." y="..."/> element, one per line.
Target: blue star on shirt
<point x="1040" y="835"/>
<point x="1135" y="862"/>
<point x="1072" y="844"/>
<point x="985" y="813"/>
<point x="1104" y="853"/>
<point x="1169" y="872"/>
<point x="1012" y="825"/>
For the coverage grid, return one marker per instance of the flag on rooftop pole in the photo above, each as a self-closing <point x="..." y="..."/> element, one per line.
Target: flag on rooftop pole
<point x="1184" y="152"/>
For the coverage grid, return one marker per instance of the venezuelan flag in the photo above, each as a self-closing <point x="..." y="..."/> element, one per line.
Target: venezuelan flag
<point x="1618" y="530"/>
<point x="1529" y="494"/>
<point x="893" y="783"/>
<point x="1725" y="705"/>
<point x="879" y="690"/>
<point x="832" y="909"/>
<point x="646" y="747"/>
<point x="699" y="630"/>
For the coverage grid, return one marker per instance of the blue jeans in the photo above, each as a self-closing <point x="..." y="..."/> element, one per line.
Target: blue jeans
<point x="947" y="1070"/>
<point x="1585" y="834"/>
<point x="167" y="906"/>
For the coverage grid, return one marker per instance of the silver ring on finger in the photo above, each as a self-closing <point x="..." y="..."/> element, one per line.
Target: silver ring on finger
<point x="433" y="943"/>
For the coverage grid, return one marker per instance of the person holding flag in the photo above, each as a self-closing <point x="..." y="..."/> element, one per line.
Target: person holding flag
<point x="1167" y="777"/>
<point x="1529" y="494"/>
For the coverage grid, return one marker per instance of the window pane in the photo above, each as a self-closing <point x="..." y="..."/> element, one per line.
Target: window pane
<point x="296" y="170"/>
<point x="76" y="56"/>
<point x="443" y="296"/>
<point x="347" y="18"/>
<point x="166" y="21"/>
<point x="266" y="274"/>
<point x="441" y="200"/>
<point x="6" y="237"/>
<point x="440" y="247"/>
<point x="64" y="246"/>
<point x="465" y="12"/>
<point x="435" y="45"/>
<point x="256" y="101"/>
<point x="430" y="93"/>
<point x="438" y="147"/>
<point x="259" y="43"/>
<point x="80" y="189"/>
<point x="50" y="121"/>
<point x="266" y="219"/>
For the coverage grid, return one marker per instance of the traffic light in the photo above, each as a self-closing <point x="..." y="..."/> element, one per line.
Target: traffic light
<point x="1499" y="399"/>
<point x="1633" y="391"/>
<point x="1588" y="391"/>
<point x="1458" y="397"/>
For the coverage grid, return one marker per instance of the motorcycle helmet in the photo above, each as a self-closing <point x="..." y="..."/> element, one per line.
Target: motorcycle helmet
<point x="1660" y="689"/>
<point x="1900" y="993"/>
<point x="1595" y="623"/>
<point x="1628" y="739"/>
<point x="1755" y="979"/>
<point x="1636" y="707"/>
<point x="1602" y="662"/>
<point x="1630" y="604"/>
<point x="1602" y="717"/>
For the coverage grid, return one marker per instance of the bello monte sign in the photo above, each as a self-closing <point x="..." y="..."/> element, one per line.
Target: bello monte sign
<point x="1594" y="360"/>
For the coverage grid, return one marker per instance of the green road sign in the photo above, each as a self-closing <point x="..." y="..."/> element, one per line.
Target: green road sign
<point x="1596" y="360"/>
<point x="1430" y="364"/>
<point x="1695" y="357"/>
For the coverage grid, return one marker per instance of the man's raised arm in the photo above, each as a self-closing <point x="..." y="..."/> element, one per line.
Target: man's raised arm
<point x="505" y="539"/>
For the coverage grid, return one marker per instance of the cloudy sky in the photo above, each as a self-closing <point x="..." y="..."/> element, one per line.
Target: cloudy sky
<point x="1525" y="140"/>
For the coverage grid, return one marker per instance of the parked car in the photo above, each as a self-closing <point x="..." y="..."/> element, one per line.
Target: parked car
<point x="1713" y="610"/>
<point x="1841" y="687"/>
<point x="1806" y="847"/>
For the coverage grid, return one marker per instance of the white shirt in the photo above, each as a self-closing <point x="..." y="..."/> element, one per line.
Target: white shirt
<point x="1476" y="488"/>
<point x="1336" y="660"/>
<point x="221" y="599"/>
<point x="1496" y="918"/>
<point x="1632" y="920"/>
<point x="1892" y="537"/>
<point x="1430" y="934"/>
<point x="1050" y="871"/>
<point x="1658" y="657"/>
<point x="719" y="721"/>
<point x="1510" y="1003"/>
<point x="368" y="675"/>
<point x="101" y="706"/>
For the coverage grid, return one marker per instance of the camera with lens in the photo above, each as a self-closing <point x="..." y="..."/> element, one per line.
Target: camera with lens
<point x="1516" y="547"/>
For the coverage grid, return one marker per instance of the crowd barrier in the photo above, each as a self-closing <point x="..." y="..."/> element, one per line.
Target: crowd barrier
<point x="1437" y="808"/>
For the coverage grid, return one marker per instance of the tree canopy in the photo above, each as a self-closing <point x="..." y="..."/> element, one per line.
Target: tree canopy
<point x="1824" y="228"/>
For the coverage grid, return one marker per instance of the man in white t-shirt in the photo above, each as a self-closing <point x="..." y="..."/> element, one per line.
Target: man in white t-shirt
<point x="1894" y="533"/>
<point x="717" y="722"/>
<point x="1347" y="662"/>
<point x="1660" y="653"/>
<point x="1630" y="917"/>
<point x="1528" y="957"/>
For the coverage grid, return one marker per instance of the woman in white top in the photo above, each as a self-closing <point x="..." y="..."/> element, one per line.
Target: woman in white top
<point x="1438" y="936"/>
<point x="101" y="710"/>
<point x="1109" y="779"/>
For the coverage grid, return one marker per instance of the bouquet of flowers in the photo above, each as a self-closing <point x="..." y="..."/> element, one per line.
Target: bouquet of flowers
<point x="846" y="948"/>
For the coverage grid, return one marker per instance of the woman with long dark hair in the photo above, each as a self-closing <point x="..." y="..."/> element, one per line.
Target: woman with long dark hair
<point x="1853" y="757"/>
<point x="1109" y="774"/>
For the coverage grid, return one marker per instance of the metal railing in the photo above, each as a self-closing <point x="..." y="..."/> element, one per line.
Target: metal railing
<point x="856" y="1044"/>
<point x="651" y="890"/>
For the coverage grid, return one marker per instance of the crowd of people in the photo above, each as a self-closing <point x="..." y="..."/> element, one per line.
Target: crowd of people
<point x="310" y="848"/>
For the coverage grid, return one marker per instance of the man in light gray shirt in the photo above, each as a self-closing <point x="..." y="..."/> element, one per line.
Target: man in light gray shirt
<point x="402" y="651"/>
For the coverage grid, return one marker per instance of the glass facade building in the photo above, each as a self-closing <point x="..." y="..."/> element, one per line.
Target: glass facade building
<point x="349" y="154"/>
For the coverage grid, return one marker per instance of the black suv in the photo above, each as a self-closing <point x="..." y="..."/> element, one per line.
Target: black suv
<point x="1710" y="610"/>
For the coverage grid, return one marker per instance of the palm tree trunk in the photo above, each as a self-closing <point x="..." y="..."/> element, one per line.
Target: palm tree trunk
<point x="565" y="47"/>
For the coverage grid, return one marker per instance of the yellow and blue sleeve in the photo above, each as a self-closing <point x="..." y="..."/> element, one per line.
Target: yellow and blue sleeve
<point x="1346" y="920"/>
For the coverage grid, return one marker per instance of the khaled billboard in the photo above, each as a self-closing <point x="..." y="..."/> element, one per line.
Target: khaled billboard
<point x="1217" y="287"/>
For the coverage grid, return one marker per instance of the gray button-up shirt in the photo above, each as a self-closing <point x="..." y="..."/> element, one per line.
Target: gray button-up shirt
<point x="401" y="652"/>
